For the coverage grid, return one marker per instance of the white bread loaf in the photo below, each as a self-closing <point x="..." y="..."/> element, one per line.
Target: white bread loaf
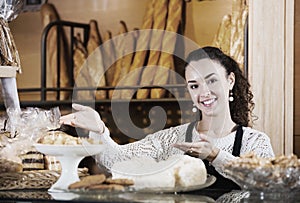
<point x="190" y="171"/>
<point x="147" y="173"/>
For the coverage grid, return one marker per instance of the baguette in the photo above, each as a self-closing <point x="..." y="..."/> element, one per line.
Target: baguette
<point x="168" y="46"/>
<point x="120" y="44"/>
<point x="141" y="51"/>
<point x="126" y="61"/>
<point x="49" y="14"/>
<point x="239" y="17"/>
<point x="109" y="57"/>
<point x="160" y="16"/>
<point x="81" y="73"/>
<point x="95" y="61"/>
<point x="222" y="38"/>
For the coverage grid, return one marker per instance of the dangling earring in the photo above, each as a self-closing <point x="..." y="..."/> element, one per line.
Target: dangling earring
<point x="194" y="109"/>
<point x="231" y="98"/>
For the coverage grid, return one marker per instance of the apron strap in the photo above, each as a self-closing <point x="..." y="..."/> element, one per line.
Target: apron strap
<point x="189" y="131"/>
<point x="238" y="141"/>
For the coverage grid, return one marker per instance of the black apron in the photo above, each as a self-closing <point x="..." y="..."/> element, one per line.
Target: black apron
<point x="221" y="182"/>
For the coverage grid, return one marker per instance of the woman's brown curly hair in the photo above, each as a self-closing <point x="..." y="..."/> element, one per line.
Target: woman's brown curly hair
<point x="242" y="106"/>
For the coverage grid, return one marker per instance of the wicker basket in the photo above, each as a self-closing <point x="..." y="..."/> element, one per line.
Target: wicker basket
<point x="21" y="194"/>
<point x="40" y="179"/>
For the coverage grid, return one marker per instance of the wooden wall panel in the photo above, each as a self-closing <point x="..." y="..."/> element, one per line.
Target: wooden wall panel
<point x="297" y="80"/>
<point x="271" y="69"/>
<point x="297" y="68"/>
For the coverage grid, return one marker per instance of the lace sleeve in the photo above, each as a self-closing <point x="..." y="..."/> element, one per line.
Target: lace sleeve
<point x="261" y="145"/>
<point x="156" y="145"/>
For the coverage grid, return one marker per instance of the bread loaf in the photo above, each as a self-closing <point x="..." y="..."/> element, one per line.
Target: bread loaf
<point x="109" y="57"/>
<point x="142" y="47"/>
<point x="160" y="17"/>
<point x="95" y="61"/>
<point x="230" y="35"/>
<point x="120" y="44"/>
<point x="49" y="14"/>
<point x="148" y="173"/>
<point x="222" y="38"/>
<point x="237" y="41"/>
<point x="126" y="61"/>
<point x="81" y="74"/>
<point x="168" y="46"/>
<point x="10" y="166"/>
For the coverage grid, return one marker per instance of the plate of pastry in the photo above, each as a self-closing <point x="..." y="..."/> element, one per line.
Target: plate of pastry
<point x="69" y="151"/>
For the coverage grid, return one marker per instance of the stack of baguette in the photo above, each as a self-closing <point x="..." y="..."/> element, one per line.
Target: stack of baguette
<point x="141" y="48"/>
<point x="230" y="35"/>
<point x="153" y="61"/>
<point x="142" y="57"/>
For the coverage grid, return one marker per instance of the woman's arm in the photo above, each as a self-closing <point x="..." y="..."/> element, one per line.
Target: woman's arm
<point x="156" y="145"/>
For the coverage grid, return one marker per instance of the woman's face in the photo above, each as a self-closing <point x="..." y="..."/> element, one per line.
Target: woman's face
<point x="209" y="85"/>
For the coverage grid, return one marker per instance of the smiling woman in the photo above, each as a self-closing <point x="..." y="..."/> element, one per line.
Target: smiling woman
<point x="214" y="77"/>
<point x="221" y="135"/>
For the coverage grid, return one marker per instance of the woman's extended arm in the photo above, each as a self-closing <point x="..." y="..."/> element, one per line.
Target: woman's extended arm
<point x="157" y="145"/>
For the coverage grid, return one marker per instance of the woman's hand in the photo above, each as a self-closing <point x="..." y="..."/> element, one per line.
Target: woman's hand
<point x="202" y="149"/>
<point x="85" y="117"/>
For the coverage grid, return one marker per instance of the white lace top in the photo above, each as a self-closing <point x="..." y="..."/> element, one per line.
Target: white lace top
<point x="158" y="146"/>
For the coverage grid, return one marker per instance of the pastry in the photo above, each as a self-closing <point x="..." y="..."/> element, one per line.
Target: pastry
<point x="88" y="181"/>
<point x="62" y="138"/>
<point x="110" y="187"/>
<point x="33" y="160"/>
<point x="119" y="181"/>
